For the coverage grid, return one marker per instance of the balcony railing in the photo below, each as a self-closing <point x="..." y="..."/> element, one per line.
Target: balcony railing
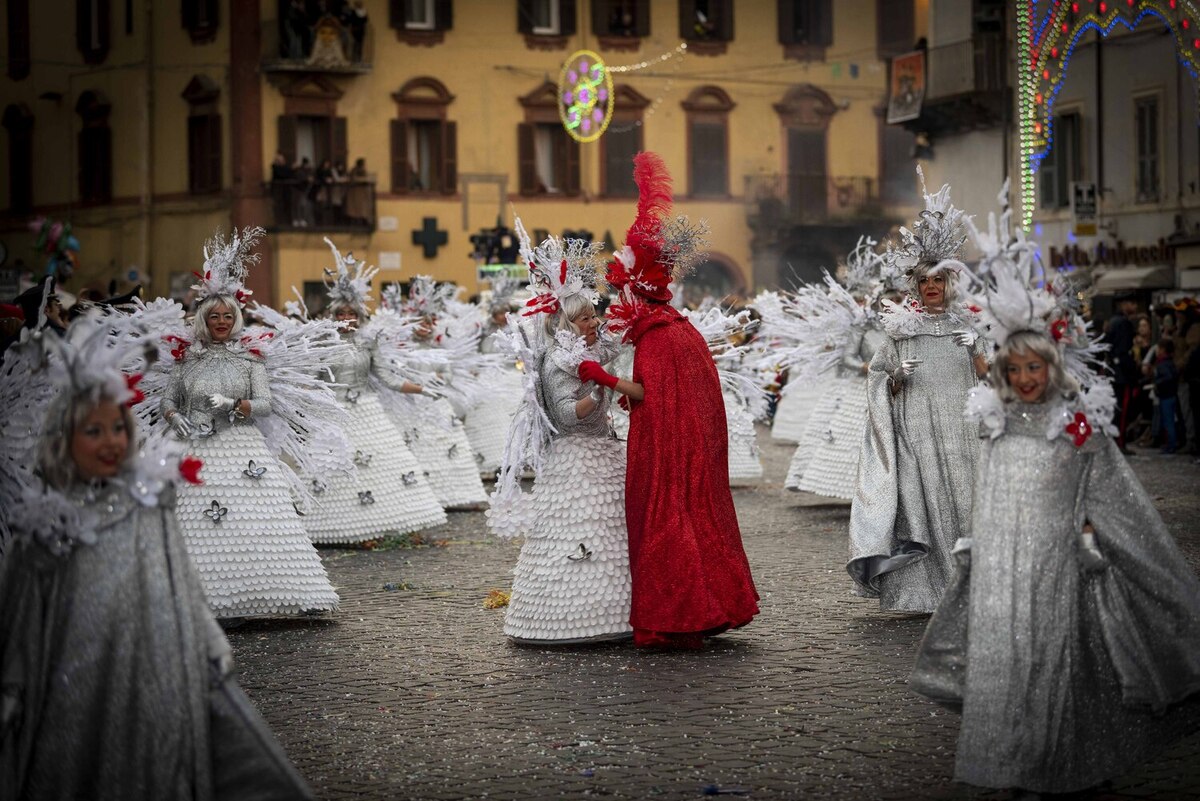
<point x="975" y="65"/>
<point x="798" y="198"/>
<point x="339" y="206"/>
<point x="320" y="44"/>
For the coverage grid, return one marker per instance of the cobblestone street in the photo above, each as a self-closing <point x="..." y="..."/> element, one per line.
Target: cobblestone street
<point x="410" y="691"/>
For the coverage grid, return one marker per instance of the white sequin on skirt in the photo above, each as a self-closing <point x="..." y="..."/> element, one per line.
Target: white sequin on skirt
<point x="572" y="580"/>
<point x="388" y="492"/>
<point x="816" y="429"/>
<point x="437" y="439"/>
<point x="793" y="410"/>
<point x="744" y="464"/>
<point x="258" y="559"/>
<point x="833" y="466"/>
<point x="487" y="423"/>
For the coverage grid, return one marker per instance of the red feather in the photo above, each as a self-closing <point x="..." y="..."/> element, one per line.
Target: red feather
<point x="562" y="273"/>
<point x="654" y="192"/>
<point x="189" y="469"/>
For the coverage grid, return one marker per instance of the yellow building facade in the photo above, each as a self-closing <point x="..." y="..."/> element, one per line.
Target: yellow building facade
<point x="767" y="113"/>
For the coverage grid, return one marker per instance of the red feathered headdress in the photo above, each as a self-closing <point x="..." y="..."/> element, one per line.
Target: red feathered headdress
<point x="639" y="265"/>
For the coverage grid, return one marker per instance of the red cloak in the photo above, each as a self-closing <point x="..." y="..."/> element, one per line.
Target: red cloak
<point x="690" y="573"/>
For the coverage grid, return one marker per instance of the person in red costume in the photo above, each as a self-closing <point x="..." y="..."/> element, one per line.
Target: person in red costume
<point x="690" y="575"/>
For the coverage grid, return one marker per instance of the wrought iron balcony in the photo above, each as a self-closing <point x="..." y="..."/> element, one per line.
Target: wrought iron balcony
<point x="324" y="44"/>
<point x="342" y="206"/>
<point x="965" y="86"/>
<point x="803" y="199"/>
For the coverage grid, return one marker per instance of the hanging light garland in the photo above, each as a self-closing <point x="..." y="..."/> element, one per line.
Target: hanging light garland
<point x="585" y="91"/>
<point x="1047" y="38"/>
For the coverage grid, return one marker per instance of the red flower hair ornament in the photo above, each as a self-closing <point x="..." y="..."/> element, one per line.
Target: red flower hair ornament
<point x="1079" y="429"/>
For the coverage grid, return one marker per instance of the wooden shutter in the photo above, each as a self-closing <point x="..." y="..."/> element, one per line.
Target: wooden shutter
<point x="567" y="17"/>
<point x="449" y="158"/>
<point x="190" y="13"/>
<point x="287" y="137"/>
<point x="723" y="10"/>
<point x="83" y="29"/>
<point x="212" y="153"/>
<point x="399" y="157"/>
<point x="526" y="159"/>
<point x="18" y="39"/>
<point x="641" y="16"/>
<point x="443" y="15"/>
<point x="687" y="19"/>
<point x="396" y="14"/>
<point x="339" y="150"/>
<point x="600" y="16"/>
<point x="570" y="181"/>
<point x="194" y="137"/>
<point x="524" y="16"/>
<point x="824" y="26"/>
<point x="95" y="162"/>
<point x="787" y="21"/>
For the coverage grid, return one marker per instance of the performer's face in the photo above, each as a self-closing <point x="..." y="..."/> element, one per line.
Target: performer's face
<point x="347" y="316"/>
<point x="933" y="290"/>
<point x="1027" y="374"/>
<point x="220" y="320"/>
<point x="100" y="442"/>
<point x="588" y="323"/>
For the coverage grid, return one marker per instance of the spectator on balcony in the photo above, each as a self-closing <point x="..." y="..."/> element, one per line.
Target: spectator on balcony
<point x="282" y="177"/>
<point x="321" y="191"/>
<point x="297" y="33"/>
<point x="302" y="181"/>
<point x="337" y="191"/>
<point x="358" y="194"/>
<point x="354" y="18"/>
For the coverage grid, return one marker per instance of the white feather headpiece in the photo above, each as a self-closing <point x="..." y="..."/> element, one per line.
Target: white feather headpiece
<point x="937" y="237"/>
<point x="350" y="282"/>
<point x="226" y="263"/>
<point x="559" y="269"/>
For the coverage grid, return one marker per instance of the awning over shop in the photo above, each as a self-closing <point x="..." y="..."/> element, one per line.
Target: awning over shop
<point x="1123" y="278"/>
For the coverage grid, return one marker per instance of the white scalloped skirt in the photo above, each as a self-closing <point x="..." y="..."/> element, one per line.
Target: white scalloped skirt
<point x="255" y="558"/>
<point x="388" y="492"/>
<point x="744" y="464"/>
<point x="487" y="423"/>
<point x="571" y="582"/>
<point x="439" y="443"/>
<point x="793" y="410"/>
<point x="833" y="468"/>
<point x="816" y="429"/>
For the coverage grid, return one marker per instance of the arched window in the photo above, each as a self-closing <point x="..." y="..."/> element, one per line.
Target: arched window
<point x="805" y="113"/>
<point x="203" y="135"/>
<point x="92" y="36"/>
<point x="622" y="141"/>
<point x="707" y="109"/>
<point x="18" y="122"/>
<point x="547" y="158"/>
<point x="95" y="148"/>
<point x="424" y="143"/>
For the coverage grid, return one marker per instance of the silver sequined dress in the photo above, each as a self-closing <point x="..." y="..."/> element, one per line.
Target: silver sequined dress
<point x="109" y="689"/>
<point x="1066" y="676"/>
<point x="832" y="468"/>
<point x="388" y="491"/>
<point x="241" y="528"/>
<point x="571" y="582"/>
<point x="917" y="467"/>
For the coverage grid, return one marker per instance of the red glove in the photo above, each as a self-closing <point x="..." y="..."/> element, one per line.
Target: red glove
<point x="623" y="402"/>
<point x="592" y="371"/>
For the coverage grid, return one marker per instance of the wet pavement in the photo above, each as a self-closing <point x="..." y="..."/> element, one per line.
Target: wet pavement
<point x="410" y="691"/>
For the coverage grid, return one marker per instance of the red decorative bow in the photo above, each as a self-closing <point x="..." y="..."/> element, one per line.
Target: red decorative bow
<point x="189" y="469"/>
<point x="1058" y="330"/>
<point x="131" y="383"/>
<point x="181" y="346"/>
<point x="1080" y="429"/>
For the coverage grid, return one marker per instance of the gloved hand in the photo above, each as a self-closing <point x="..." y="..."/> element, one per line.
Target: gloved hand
<point x="906" y="369"/>
<point x="180" y="425"/>
<point x="1090" y="557"/>
<point x="592" y="371"/>
<point x="623" y="402"/>
<point x="965" y="337"/>
<point x="219" y="403"/>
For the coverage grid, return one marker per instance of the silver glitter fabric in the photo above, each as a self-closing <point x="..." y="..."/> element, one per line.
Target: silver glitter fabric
<point x="571" y="581"/>
<point x="916" y="469"/>
<point x="401" y="499"/>
<point x="110" y="691"/>
<point x="1067" y="676"/>
<point x="255" y="557"/>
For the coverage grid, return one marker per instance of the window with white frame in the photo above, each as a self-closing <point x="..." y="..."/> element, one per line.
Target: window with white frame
<point x="545" y="17"/>
<point x="419" y="15"/>
<point x="1146" y="128"/>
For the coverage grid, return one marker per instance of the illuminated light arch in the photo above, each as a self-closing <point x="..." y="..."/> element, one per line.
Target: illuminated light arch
<point x="1047" y="33"/>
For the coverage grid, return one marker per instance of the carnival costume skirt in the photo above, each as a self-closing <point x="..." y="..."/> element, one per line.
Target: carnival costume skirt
<point x="487" y="423"/>
<point x="571" y="582"/>
<point x="388" y="492"/>
<point x="244" y="535"/>
<point x="795" y="405"/>
<point x="833" y="467"/>
<point x="744" y="465"/>
<point x="816" y="430"/>
<point x="439" y="443"/>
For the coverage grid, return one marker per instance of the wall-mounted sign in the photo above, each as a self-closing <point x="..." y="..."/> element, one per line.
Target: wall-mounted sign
<point x="907" y="88"/>
<point x="1112" y="255"/>
<point x="1083" y="207"/>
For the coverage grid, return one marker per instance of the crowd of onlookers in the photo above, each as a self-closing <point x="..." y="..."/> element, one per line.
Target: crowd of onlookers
<point x="329" y="195"/>
<point x="1155" y="361"/>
